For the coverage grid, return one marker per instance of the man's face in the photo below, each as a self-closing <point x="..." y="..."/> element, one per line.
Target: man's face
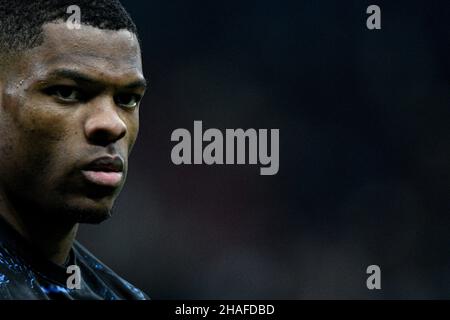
<point x="69" y="117"/>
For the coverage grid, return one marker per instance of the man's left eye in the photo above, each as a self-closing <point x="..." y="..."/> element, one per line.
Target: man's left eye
<point x="128" y="100"/>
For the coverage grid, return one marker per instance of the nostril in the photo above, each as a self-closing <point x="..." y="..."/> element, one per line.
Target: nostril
<point x="103" y="137"/>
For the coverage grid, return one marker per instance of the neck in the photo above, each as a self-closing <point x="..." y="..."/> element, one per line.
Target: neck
<point x="51" y="238"/>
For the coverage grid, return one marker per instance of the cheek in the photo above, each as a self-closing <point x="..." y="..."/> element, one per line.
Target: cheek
<point x="43" y="139"/>
<point x="49" y="126"/>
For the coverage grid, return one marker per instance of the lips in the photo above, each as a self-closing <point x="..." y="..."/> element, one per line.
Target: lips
<point x="105" y="171"/>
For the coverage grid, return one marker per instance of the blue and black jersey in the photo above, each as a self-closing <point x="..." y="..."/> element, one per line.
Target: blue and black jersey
<point x="25" y="275"/>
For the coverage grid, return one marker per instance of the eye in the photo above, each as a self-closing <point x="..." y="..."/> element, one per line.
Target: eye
<point x="128" y="100"/>
<point x="65" y="93"/>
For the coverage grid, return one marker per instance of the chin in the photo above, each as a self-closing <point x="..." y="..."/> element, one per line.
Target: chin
<point x="92" y="211"/>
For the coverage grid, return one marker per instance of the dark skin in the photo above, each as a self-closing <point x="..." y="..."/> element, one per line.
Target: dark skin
<point x="71" y="100"/>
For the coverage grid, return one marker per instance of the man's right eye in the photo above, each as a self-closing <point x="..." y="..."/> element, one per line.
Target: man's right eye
<point x="65" y="93"/>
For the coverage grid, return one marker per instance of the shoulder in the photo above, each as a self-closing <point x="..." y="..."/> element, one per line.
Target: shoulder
<point x="15" y="276"/>
<point x="97" y="269"/>
<point x="10" y="262"/>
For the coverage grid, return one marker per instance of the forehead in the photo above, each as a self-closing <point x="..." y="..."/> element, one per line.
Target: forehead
<point x="107" y="53"/>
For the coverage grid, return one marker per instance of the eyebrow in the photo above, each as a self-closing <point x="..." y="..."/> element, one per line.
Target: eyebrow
<point x="83" y="78"/>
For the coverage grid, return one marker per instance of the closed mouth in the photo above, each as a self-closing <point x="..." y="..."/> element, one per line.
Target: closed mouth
<point x="105" y="171"/>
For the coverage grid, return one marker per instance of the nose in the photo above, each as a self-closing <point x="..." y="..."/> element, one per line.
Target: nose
<point x="104" y="125"/>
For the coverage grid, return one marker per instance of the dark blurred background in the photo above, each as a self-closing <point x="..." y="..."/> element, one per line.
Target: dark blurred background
<point x="364" y="152"/>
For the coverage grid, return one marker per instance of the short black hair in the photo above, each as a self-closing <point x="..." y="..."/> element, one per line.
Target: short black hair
<point x="21" y="21"/>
